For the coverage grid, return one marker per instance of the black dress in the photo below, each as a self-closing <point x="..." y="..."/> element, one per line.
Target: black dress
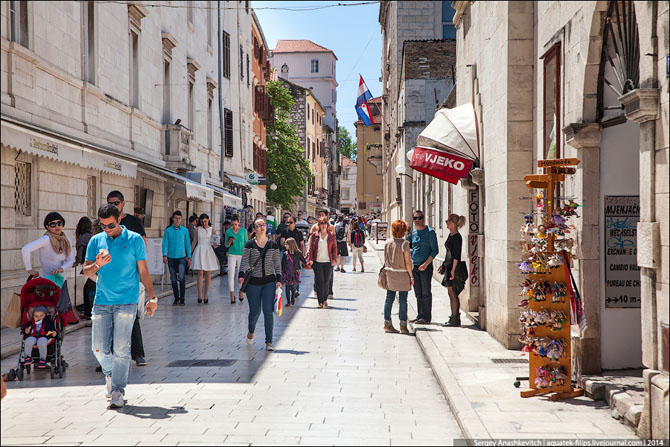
<point x="454" y="245"/>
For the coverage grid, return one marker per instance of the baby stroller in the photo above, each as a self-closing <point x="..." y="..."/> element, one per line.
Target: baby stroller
<point x="36" y="292"/>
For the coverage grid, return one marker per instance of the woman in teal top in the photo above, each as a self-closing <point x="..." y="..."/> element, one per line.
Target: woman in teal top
<point x="235" y="239"/>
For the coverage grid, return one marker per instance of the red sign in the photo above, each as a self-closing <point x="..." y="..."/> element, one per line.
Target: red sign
<point x="439" y="164"/>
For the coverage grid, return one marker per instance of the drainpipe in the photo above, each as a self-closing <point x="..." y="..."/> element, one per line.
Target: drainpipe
<point x="221" y="128"/>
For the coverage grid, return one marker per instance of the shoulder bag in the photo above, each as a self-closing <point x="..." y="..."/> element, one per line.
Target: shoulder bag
<point x="247" y="274"/>
<point x="382" y="280"/>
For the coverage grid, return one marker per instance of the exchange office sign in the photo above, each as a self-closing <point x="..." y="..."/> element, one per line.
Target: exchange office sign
<point x="622" y="274"/>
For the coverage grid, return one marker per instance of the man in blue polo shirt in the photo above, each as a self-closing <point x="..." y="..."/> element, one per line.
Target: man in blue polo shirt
<point x="424" y="250"/>
<point x="177" y="256"/>
<point x="119" y="257"/>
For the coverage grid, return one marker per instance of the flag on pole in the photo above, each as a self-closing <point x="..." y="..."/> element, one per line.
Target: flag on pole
<point x="362" y="107"/>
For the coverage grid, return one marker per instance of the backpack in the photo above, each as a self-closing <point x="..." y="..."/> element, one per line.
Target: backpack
<point x="340" y="233"/>
<point x="358" y="239"/>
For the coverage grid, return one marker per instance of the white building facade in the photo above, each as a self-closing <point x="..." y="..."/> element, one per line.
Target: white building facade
<point x="348" y="202"/>
<point x="112" y="96"/>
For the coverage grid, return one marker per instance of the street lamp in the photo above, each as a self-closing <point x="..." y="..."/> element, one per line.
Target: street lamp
<point x="273" y="187"/>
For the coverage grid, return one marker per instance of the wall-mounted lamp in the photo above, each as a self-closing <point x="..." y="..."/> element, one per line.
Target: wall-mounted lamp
<point x="402" y="170"/>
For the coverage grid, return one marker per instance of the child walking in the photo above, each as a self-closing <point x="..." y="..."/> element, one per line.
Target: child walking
<point x="291" y="264"/>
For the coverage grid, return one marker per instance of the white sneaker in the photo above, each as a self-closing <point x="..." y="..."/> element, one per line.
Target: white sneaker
<point x="117" y="400"/>
<point x="269" y="347"/>
<point x="108" y="387"/>
<point x="250" y="341"/>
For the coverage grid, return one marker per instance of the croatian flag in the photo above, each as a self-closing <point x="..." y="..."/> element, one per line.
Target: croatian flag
<point x="362" y="107"/>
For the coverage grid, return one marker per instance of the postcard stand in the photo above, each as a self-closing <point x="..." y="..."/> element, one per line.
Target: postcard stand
<point x="548" y="340"/>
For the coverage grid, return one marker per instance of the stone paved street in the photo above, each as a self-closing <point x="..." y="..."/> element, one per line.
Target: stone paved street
<point x="335" y="378"/>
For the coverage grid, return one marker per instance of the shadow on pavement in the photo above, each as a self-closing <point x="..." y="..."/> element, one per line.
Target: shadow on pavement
<point x="151" y="412"/>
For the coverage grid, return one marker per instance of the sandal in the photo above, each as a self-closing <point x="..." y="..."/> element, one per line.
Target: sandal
<point x="206" y="300"/>
<point x="232" y="301"/>
<point x="199" y="300"/>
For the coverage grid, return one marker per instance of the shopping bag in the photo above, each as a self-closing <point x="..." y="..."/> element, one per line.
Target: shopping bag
<point x="12" y="316"/>
<point x="278" y="302"/>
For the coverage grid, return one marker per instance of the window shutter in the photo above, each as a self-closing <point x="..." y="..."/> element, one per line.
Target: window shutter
<point x="259" y="98"/>
<point x="228" y="124"/>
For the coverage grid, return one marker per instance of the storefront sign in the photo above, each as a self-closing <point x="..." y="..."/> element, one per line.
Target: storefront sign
<point x="155" y="256"/>
<point x="622" y="274"/>
<point x="44" y="146"/>
<point x="440" y="164"/>
<point x="473" y="239"/>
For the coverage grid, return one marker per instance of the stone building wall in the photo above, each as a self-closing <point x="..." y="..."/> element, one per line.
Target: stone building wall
<point x="43" y="90"/>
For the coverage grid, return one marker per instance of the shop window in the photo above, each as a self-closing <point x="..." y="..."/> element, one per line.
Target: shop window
<point x="551" y="98"/>
<point x="23" y="188"/>
<point x="18" y="15"/>
<point x="92" y="196"/>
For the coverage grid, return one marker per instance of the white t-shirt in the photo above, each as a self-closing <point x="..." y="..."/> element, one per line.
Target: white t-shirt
<point x="322" y="251"/>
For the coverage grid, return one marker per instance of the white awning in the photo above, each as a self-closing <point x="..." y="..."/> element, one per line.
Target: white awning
<point x="26" y="140"/>
<point x="239" y="180"/>
<point x="108" y="163"/>
<point x="193" y="190"/>
<point x="453" y="130"/>
<point x="229" y="199"/>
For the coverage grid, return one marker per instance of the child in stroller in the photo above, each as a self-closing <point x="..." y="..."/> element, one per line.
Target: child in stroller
<point x="40" y="330"/>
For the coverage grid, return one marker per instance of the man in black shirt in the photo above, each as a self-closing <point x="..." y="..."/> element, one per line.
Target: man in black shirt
<point x="283" y="226"/>
<point x="292" y="232"/>
<point x="134" y="224"/>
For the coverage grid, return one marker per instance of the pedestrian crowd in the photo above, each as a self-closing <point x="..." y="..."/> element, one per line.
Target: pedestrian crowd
<point x="261" y="261"/>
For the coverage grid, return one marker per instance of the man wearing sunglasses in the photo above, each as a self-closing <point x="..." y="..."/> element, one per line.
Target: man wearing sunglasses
<point x="119" y="258"/>
<point x="424" y="250"/>
<point x="134" y="224"/>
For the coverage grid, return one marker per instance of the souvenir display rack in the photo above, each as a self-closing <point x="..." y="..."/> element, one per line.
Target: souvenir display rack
<point x="547" y="291"/>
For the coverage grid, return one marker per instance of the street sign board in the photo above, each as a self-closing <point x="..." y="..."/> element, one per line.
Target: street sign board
<point x="255" y="179"/>
<point x="557" y="162"/>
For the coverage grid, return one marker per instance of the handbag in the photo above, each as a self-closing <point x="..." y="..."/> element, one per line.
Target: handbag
<point x="247" y="274"/>
<point x="141" y="305"/>
<point x="382" y="279"/>
<point x="12" y="316"/>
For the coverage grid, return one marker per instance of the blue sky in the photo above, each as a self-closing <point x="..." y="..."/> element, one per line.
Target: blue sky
<point x="352" y="32"/>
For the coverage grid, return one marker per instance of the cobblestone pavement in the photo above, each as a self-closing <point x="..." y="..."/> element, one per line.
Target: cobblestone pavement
<point x="335" y="379"/>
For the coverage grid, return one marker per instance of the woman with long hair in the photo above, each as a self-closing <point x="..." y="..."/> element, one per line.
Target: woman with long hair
<point x="291" y="263"/>
<point x="261" y="256"/>
<point x="454" y="245"/>
<point x="322" y="257"/>
<point x="203" y="258"/>
<point x="398" y="267"/>
<point x="82" y="234"/>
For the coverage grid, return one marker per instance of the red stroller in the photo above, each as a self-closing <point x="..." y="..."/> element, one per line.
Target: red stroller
<point x="36" y="292"/>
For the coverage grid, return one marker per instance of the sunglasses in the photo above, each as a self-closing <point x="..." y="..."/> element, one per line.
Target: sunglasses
<point x="260" y="225"/>
<point x="323" y="223"/>
<point x="55" y="223"/>
<point x="418" y="217"/>
<point x="110" y="226"/>
<point x="290" y="222"/>
<point x="115" y="203"/>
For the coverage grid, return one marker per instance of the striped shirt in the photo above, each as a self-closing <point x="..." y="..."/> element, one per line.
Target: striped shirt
<point x="268" y="269"/>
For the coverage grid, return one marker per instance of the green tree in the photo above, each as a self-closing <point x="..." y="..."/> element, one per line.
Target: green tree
<point x="347" y="144"/>
<point x="287" y="166"/>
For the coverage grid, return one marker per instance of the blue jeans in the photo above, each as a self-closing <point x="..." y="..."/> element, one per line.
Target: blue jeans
<point x="262" y="297"/>
<point x="110" y="336"/>
<point x="177" y="268"/>
<point x="402" y="304"/>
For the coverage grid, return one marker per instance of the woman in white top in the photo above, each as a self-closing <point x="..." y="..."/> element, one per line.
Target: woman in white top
<point x="54" y="248"/>
<point x="322" y="257"/>
<point x="203" y="258"/>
